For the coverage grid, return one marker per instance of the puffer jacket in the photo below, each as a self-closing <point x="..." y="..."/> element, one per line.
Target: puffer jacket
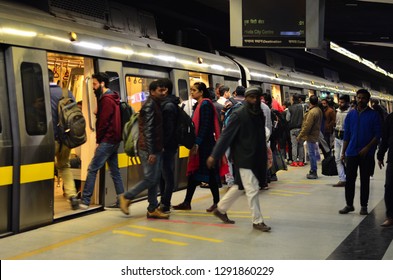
<point x="150" y="123"/>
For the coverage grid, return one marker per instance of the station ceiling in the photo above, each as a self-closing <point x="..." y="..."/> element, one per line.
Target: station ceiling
<point x="363" y="27"/>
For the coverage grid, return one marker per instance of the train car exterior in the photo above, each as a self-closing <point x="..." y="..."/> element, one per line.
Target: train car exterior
<point x="32" y="41"/>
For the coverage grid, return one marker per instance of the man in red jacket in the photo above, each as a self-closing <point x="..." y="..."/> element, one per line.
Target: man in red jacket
<point x="108" y="137"/>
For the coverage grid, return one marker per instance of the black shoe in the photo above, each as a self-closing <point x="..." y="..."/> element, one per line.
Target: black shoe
<point x="363" y="211"/>
<point x="273" y="178"/>
<point x="261" y="227"/>
<point x="223" y="217"/>
<point x="74" y="201"/>
<point x="346" y="210"/>
<point x="312" y="175"/>
<point x="182" y="206"/>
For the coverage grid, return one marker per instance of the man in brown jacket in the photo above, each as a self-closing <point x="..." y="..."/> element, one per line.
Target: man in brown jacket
<point x="310" y="132"/>
<point x="328" y="122"/>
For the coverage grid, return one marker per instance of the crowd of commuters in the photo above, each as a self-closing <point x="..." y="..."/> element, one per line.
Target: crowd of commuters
<point x="230" y="128"/>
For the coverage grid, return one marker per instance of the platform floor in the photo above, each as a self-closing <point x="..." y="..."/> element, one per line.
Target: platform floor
<point x="303" y="215"/>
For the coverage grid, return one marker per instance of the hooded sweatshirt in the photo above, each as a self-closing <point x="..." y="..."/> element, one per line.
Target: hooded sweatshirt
<point x="108" y="124"/>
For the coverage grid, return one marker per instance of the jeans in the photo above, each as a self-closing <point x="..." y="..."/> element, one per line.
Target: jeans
<point x="152" y="175"/>
<point x="352" y="166"/>
<point x="167" y="183"/>
<point x="338" y="147"/>
<point x="105" y="152"/>
<point x="312" y="153"/>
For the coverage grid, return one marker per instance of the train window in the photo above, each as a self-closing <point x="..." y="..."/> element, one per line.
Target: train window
<point x="33" y="98"/>
<point x="183" y="89"/>
<point x="137" y="90"/>
<point x="114" y="81"/>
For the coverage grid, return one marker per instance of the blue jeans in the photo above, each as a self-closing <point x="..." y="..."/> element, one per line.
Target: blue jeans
<point x="105" y="152"/>
<point x="152" y="175"/>
<point x="167" y="183"/>
<point x="312" y="153"/>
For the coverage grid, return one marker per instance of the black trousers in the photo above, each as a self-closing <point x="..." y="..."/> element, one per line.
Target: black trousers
<point x="389" y="190"/>
<point x="353" y="163"/>
<point x="213" y="185"/>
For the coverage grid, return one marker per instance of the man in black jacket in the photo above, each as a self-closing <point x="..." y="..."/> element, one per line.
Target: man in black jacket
<point x="150" y="146"/>
<point x="169" y="107"/>
<point x="387" y="144"/>
<point x="245" y="135"/>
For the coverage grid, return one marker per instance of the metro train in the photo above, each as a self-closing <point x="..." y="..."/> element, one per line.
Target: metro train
<point x="33" y="40"/>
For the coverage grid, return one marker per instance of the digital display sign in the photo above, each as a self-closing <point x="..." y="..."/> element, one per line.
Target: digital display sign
<point x="277" y="23"/>
<point x="274" y="23"/>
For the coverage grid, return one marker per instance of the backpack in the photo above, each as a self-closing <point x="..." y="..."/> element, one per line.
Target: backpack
<point x="131" y="136"/>
<point x="229" y="112"/>
<point x="125" y="113"/>
<point x="72" y="123"/>
<point x="185" y="129"/>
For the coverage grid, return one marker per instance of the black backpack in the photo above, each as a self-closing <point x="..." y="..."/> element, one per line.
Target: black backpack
<point x="125" y="113"/>
<point x="185" y="129"/>
<point x="72" y="123"/>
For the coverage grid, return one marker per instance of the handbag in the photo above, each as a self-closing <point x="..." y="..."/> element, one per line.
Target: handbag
<point x="278" y="162"/>
<point x="329" y="167"/>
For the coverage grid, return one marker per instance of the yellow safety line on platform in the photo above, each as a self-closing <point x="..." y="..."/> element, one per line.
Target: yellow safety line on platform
<point x="178" y="234"/>
<point x="163" y="240"/>
<point x="294" y="192"/>
<point x="280" y="194"/>
<point x="207" y="215"/>
<point x="125" y="232"/>
<point x="67" y="242"/>
<point x="6" y="175"/>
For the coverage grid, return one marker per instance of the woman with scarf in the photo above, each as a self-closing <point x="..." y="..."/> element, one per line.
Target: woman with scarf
<point x="207" y="131"/>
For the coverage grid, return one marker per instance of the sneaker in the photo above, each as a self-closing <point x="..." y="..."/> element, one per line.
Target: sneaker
<point x="294" y="164"/>
<point x="74" y="201"/>
<point x="157" y="214"/>
<point x="182" y="206"/>
<point x="83" y="206"/>
<point x="261" y="227"/>
<point x="211" y="208"/>
<point x="124" y="204"/>
<point x="300" y="163"/>
<point x="312" y="175"/>
<point x="363" y="211"/>
<point x="223" y="217"/>
<point x="340" y="184"/>
<point x="346" y="210"/>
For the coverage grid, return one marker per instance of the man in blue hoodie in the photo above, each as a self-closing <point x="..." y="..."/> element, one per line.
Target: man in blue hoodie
<point x="361" y="135"/>
<point x="108" y="137"/>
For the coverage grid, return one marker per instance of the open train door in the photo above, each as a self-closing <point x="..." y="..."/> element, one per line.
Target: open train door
<point x="32" y="138"/>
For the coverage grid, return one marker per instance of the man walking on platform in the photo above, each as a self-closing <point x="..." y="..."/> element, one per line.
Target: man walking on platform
<point x="150" y="146"/>
<point x="244" y="134"/>
<point x="362" y="131"/>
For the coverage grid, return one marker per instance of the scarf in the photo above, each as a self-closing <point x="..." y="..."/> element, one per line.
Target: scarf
<point x="193" y="160"/>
